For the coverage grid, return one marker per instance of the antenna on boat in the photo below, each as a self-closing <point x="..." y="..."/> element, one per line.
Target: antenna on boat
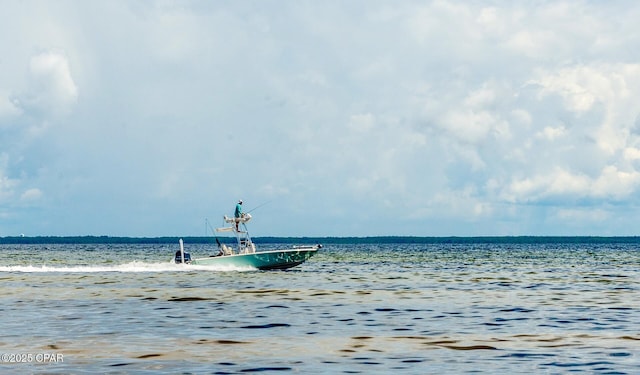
<point x="208" y="224"/>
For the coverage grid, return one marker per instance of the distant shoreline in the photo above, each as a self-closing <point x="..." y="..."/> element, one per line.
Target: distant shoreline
<point x="14" y="240"/>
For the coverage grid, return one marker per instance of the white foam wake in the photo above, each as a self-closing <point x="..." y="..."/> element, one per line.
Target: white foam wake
<point x="131" y="267"/>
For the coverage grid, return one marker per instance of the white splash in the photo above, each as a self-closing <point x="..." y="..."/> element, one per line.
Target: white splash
<point x="131" y="267"/>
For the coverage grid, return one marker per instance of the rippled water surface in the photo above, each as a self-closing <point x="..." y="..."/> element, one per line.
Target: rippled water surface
<point x="445" y="308"/>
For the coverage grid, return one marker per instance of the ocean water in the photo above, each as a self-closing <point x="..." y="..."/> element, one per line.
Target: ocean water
<point x="387" y="308"/>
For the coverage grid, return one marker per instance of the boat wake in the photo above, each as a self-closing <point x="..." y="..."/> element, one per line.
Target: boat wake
<point x="132" y="267"/>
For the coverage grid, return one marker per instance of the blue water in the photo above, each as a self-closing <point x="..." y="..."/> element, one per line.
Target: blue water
<point x="414" y="309"/>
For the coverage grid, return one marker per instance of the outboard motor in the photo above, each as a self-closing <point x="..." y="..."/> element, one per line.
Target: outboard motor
<point x="187" y="257"/>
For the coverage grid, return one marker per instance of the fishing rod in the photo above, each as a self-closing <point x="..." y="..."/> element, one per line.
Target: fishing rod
<point x="255" y="208"/>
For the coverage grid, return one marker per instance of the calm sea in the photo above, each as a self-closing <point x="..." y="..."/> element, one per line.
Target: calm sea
<point x="405" y="308"/>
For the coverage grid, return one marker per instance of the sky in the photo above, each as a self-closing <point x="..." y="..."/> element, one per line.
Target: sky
<point x="328" y="118"/>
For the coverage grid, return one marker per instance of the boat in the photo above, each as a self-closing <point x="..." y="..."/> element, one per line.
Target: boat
<point x="245" y="254"/>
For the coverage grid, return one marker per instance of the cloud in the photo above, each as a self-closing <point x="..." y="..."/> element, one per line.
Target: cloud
<point x="26" y="117"/>
<point x="7" y="185"/>
<point x="608" y="89"/>
<point x="550" y="133"/>
<point x="507" y="118"/>
<point x="52" y="90"/>
<point x="30" y="195"/>
<point x="559" y="184"/>
<point x="9" y="108"/>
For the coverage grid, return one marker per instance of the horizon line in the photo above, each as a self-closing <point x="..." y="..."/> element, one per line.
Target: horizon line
<point x="89" y="239"/>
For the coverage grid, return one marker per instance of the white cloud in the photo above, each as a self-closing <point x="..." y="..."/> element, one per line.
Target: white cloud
<point x="580" y="87"/>
<point x="53" y="89"/>
<point x="609" y="89"/>
<point x="616" y="184"/>
<point x="558" y="183"/>
<point x="561" y="184"/>
<point x="551" y="133"/>
<point x="632" y="153"/>
<point x="468" y="126"/>
<point x="30" y="195"/>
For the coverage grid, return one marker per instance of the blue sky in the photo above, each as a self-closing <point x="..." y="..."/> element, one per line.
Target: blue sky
<point x="358" y="118"/>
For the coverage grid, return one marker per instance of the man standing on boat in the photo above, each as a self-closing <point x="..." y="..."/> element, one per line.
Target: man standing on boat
<point x="238" y="213"/>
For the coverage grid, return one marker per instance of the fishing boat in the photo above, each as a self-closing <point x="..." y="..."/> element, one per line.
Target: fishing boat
<point x="245" y="254"/>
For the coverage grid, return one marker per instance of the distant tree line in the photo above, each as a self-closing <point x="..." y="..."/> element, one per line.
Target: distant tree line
<point x="321" y="240"/>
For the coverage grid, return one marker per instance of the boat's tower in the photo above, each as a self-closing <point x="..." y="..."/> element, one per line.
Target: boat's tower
<point x="245" y="245"/>
<point x="239" y="228"/>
